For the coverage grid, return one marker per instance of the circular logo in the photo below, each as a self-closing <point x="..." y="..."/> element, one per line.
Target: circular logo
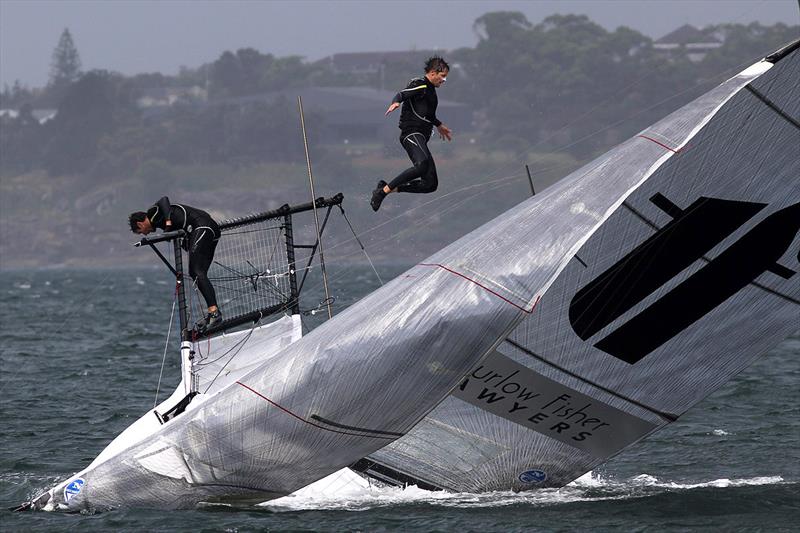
<point x="533" y="476"/>
<point x="73" y="488"/>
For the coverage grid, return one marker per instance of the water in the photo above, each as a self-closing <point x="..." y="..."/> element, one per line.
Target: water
<point x="81" y="356"/>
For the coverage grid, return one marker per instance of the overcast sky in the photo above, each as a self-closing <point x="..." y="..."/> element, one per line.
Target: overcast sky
<point x="134" y="36"/>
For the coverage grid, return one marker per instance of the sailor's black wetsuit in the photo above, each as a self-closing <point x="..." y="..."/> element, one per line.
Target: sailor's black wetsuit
<point x="417" y="119"/>
<point x="201" y="243"/>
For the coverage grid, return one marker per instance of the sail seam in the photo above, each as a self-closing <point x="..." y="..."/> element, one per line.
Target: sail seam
<point x="756" y="284"/>
<point x="354" y="428"/>
<point x="772" y="105"/>
<point x="285" y="410"/>
<point x="671" y="417"/>
<point x="484" y="287"/>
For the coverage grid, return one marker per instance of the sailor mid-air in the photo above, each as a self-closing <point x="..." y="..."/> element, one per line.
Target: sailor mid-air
<point x="417" y="119"/>
<point x="203" y="233"/>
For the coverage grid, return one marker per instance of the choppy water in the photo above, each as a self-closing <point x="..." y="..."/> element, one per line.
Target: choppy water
<point x="81" y="354"/>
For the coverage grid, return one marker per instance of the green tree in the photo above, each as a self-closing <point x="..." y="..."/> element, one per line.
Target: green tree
<point x="92" y="107"/>
<point x="20" y="141"/>
<point x="226" y="76"/>
<point x="65" y="66"/>
<point x="746" y="43"/>
<point x="248" y="72"/>
<point x="17" y="95"/>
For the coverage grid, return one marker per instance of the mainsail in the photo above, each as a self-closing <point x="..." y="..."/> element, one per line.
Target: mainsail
<point x="688" y="273"/>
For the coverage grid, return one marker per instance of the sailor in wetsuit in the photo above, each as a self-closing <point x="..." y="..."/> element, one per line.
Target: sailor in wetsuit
<point x="203" y="234"/>
<point x="417" y="119"/>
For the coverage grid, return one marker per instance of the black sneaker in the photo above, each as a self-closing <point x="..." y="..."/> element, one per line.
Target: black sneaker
<point x="211" y="320"/>
<point x="378" y="195"/>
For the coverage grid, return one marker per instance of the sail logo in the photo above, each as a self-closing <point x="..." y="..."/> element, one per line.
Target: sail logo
<point x="533" y="476"/>
<point x="690" y="234"/>
<point x="73" y="488"/>
<point x="510" y="390"/>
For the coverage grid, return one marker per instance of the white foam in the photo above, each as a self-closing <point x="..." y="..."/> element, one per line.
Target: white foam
<point x="723" y="483"/>
<point x="646" y="480"/>
<point x="346" y="490"/>
<point x="589" y="479"/>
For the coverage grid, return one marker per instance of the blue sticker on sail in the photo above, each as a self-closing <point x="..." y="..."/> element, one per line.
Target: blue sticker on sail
<point x="73" y="488"/>
<point x="533" y="476"/>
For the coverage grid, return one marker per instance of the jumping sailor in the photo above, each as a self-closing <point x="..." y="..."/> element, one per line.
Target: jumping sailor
<point x="417" y="119"/>
<point x="201" y="242"/>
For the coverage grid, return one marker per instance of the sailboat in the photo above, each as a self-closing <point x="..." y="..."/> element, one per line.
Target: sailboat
<point x="524" y="353"/>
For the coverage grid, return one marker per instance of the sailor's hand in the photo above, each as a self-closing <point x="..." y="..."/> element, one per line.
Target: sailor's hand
<point x="392" y="107"/>
<point x="444" y="132"/>
<point x="168" y="223"/>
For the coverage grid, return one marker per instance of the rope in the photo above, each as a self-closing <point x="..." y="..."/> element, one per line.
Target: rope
<point x="166" y="344"/>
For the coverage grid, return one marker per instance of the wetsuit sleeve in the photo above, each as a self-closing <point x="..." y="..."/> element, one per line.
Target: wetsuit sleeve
<point x="416" y="88"/>
<point x="159" y="212"/>
<point x="436" y="122"/>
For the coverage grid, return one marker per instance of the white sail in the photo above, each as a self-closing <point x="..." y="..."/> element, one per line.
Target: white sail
<point x="691" y="276"/>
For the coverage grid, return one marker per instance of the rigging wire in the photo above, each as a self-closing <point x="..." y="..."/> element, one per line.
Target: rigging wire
<point x="240" y="345"/>
<point x="166" y="344"/>
<point x="363" y="249"/>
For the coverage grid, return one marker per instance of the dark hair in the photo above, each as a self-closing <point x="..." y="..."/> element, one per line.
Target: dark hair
<point x="437" y="64"/>
<point x="133" y="218"/>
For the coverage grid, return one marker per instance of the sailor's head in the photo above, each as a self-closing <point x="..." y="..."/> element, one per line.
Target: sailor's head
<point x="436" y="70"/>
<point x="140" y="223"/>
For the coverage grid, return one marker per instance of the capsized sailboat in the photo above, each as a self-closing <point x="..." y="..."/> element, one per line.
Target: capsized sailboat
<point x="368" y="376"/>
<point x="687" y="273"/>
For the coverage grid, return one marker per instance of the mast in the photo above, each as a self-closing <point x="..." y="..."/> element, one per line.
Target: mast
<point x="181" y="289"/>
<point x="316" y="216"/>
<point x="187" y="355"/>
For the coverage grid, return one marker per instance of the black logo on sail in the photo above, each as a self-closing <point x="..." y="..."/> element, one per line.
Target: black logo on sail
<point x="691" y="233"/>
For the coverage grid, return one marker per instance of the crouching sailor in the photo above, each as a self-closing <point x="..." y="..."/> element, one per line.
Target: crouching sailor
<point x="203" y="233"/>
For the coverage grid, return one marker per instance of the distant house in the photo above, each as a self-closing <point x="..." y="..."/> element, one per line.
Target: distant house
<point x="373" y="62"/>
<point x="688" y="41"/>
<point x="41" y="115"/>
<point x="355" y="113"/>
<point x="167" y="96"/>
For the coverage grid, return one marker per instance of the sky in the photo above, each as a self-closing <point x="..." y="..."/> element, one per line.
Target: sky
<point x="136" y="36"/>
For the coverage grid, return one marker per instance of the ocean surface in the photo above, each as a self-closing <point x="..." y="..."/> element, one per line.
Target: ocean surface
<point x="80" y="357"/>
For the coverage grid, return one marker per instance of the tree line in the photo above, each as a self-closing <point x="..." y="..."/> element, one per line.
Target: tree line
<point x="526" y="84"/>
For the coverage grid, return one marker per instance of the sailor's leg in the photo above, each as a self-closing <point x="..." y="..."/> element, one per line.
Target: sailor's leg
<point x="428" y="182"/>
<point x="201" y="253"/>
<point x="416" y="146"/>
